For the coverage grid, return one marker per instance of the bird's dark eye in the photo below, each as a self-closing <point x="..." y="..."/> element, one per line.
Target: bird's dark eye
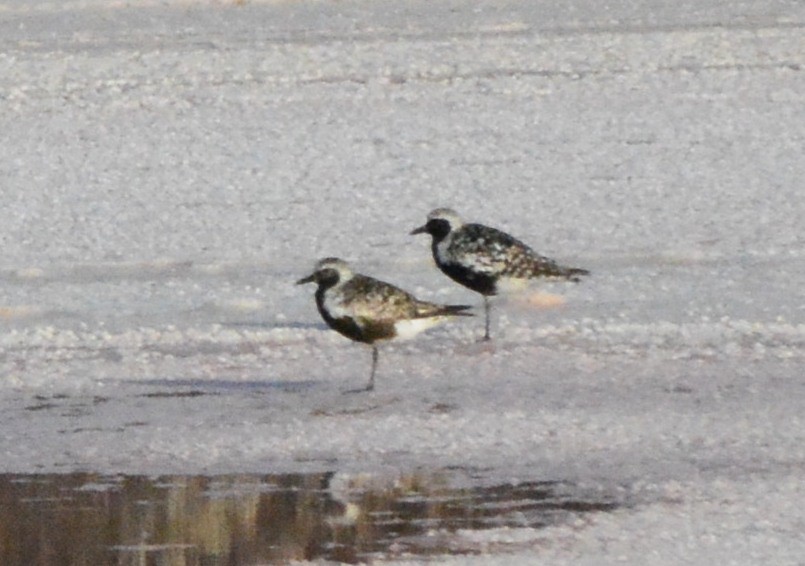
<point x="438" y="228"/>
<point x="327" y="276"/>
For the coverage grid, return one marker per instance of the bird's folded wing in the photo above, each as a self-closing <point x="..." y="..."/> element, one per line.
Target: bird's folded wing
<point x="372" y="299"/>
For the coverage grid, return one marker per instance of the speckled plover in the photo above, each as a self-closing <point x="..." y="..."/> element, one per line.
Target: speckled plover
<point x="484" y="259"/>
<point x="367" y="310"/>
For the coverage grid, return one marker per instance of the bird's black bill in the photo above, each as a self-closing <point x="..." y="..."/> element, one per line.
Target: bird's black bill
<point x="420" y="230"/>
<point x="309" y="279"/>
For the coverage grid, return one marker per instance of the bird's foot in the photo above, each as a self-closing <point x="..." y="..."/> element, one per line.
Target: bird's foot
<point x="361" y="390"/>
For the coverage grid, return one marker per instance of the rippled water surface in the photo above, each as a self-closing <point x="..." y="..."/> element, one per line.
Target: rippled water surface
<point x="245" y="519"/>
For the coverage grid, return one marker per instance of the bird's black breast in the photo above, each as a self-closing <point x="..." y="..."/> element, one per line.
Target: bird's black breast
<point x="479" y="282"/>
<point x="366" y="331"/>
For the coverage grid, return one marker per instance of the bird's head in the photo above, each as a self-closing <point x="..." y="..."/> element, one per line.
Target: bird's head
<point x="328" y="272"/>
<point x="441" y="222"/>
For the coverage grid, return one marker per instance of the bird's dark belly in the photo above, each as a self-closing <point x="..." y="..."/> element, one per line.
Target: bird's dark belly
<point x="478" y="282"/>
<point x="368" y="332"/>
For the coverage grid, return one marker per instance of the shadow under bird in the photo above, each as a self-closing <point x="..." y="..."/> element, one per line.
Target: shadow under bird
<point x="368" y="310"/>
<point x="484" y="259"/>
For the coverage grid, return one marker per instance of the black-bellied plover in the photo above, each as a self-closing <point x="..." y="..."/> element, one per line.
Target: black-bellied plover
<point x="482" y="258"/>
<point x="367" y="310"/>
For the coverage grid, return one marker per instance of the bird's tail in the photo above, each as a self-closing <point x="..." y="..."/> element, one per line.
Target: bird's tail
<point x="454" y="310"/>
<point x="574" y="273"/>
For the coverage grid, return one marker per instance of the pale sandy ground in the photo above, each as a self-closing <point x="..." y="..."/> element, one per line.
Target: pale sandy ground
<point x="168" y="169"/>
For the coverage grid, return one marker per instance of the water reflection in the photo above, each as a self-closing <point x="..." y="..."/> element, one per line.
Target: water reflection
<point x="246" y="519"/>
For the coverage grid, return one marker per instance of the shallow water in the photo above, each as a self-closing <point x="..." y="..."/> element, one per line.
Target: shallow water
<point x="86" y="518"/>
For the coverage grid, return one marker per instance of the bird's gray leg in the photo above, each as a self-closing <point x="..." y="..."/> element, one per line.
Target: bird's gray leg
<point x="371" y="385"/>
<point x="486" y="310"/>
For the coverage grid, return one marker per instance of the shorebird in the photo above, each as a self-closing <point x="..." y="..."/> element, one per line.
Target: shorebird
<point x="368" y="310"/>
<point x="485" y="259"/>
